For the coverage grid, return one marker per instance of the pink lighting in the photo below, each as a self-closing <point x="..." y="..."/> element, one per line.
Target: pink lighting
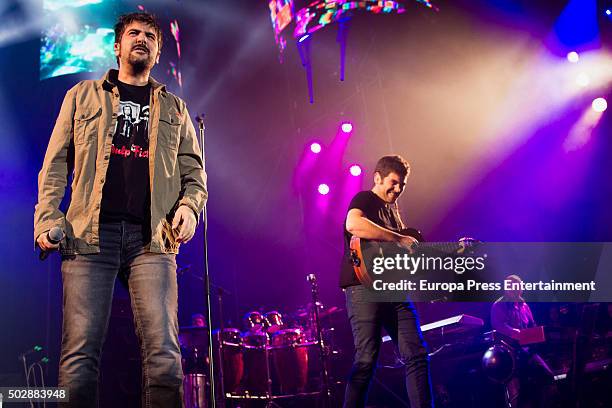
<point x="347" y="127"/>
<point x="315" y="147"/>
<point x="355" y="170"/>
<point x="323" y="189"/>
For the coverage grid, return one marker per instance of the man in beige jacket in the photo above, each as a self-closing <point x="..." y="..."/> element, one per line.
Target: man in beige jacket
<point x="138" y="187"/>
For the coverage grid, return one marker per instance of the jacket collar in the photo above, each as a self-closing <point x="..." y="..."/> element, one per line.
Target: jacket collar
<point x="109" y="81"/>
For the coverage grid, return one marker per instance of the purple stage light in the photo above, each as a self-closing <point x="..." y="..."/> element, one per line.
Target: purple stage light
<point x="347" y="127"/>
<point x="599" y="105"/>
<point x="355" y="170"/>
<point x="315" y="148"/>
<point x="573" y="57"/>
<point x="323" y="189"/>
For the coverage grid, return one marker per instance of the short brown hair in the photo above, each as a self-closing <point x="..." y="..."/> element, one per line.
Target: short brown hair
<point x="146" y="18"/>
<point x="392" y="164"/>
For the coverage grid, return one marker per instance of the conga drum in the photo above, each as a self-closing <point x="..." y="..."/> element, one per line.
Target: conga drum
<point x="231" y="360"/>
<point x="290" y="361"/>
<point x="255" y="379"/>
<point x="254" y="321"/>
<point x="274" y="322"/>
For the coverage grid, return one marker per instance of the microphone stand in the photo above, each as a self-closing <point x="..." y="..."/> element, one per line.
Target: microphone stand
<point x="325" y="392"/>
<point x="211" y="365"/>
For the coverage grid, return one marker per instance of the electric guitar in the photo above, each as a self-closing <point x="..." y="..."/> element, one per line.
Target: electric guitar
<point x="362" y="249"/>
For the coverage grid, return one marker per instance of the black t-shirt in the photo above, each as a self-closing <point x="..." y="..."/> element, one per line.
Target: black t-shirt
<point x="377" y="211"/>
<point x="127" y="195"/>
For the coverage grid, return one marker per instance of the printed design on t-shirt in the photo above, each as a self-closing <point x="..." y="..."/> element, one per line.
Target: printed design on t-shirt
<point x="131" y="131"/>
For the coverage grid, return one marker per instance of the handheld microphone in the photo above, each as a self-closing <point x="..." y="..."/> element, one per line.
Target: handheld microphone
<point x="55" y="236"/>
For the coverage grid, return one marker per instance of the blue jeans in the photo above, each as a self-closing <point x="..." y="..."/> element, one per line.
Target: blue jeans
<point x="88" y="282"/>
<point x="401" y="323"/>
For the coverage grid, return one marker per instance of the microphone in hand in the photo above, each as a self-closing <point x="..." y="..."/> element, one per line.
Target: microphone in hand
<point x="54" y="236"/>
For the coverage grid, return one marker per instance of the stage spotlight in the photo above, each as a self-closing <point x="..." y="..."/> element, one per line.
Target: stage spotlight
<point x="608" y="12"/>
<point x="573" y="57"/>
<point x="323" y="189"/>
<point x="583" y="80"/>
<point x="599" y="105"/>
<point x="355" y="170"/>
<point x="315" y="147"/>
<point x="304" y="38"/>
<point x="347" y="127"/>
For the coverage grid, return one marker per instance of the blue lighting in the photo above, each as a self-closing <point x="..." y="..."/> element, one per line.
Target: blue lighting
<point x="78" y="37"/>
<point x="577" y="28"/>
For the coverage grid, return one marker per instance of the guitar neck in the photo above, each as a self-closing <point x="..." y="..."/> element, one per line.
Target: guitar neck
<point x="444" y="248"/>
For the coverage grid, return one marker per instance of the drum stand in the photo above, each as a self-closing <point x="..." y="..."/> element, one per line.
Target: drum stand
<point x="269" y="397"/>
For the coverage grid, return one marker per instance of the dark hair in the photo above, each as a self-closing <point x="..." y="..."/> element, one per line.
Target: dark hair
<point x="392" y="164"/>
<point x="146" y="18"/>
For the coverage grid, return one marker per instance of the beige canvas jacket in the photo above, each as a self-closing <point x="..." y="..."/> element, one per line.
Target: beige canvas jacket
<point x="81" y="144"/>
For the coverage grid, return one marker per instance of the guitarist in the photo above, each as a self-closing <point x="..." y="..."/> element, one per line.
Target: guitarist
<point x="374" y="215"/>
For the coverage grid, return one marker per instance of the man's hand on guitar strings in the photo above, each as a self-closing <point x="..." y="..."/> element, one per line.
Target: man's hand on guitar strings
<point x="408" y="242"/>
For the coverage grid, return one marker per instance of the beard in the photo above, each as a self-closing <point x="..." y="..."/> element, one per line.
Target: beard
<point x="140" y="62"/>
<point x="140" y="65"/>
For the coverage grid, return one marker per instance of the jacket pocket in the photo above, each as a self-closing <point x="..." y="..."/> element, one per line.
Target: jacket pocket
<point x="169" y="129"/>
<point x="86" y="121"/>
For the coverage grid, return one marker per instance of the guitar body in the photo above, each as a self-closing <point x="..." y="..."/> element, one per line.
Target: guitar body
<point x="359" y="246"/>
<point x="362" y="249"/>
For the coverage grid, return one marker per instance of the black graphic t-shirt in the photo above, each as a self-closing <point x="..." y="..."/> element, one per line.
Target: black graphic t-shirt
<point x="127" y="195"/>
<point x="377" y="211"/>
